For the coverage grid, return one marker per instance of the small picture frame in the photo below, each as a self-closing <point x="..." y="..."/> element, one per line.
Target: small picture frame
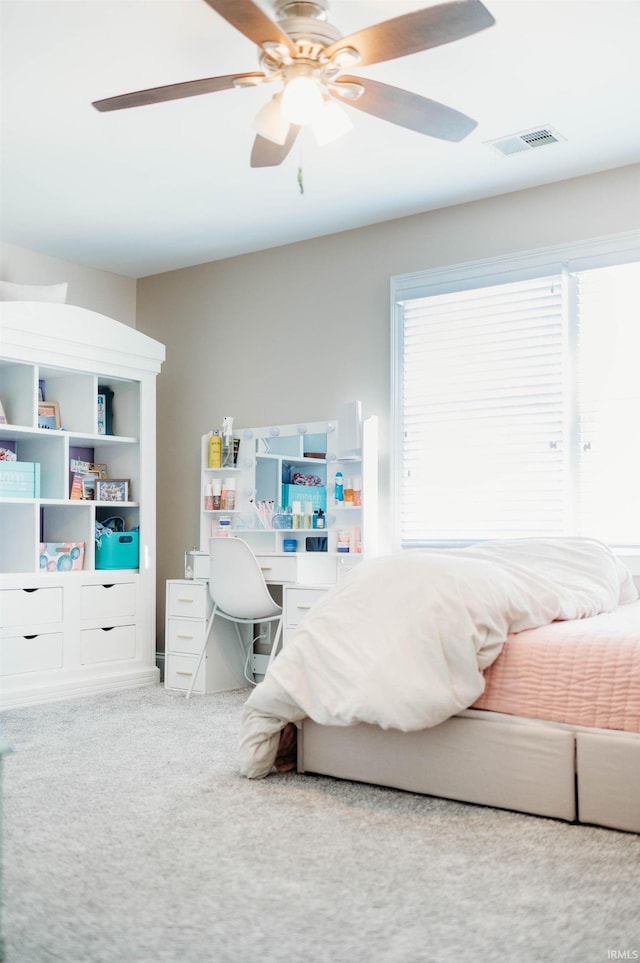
<point x="112" y="489"/>
<point x="48" y="414"/>
<point x="89" y="487"/>
<point x="98" y="469"/>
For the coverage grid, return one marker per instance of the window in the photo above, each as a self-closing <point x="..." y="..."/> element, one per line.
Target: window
<point x="516" y="399"/>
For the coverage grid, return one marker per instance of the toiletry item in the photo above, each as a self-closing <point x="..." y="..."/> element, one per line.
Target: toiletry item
<point x="215" y="450"/>
<point x="308" y="515"/>
<point x="320" y="519"/>
<point x="339" y="488"/>
<point x="344" y="540"/>
<point x="208" y="498"/>
<point x="297" y="515"/>
<point x="357" y="492"/>
<point x="224" y="527"/>
<point x="228" y="499"/>
<point x="289" y="545"/>
<point x="227" y="442"/>
<point x="347" y="491"/>
<point x="216" y="494"/>
<point x="189" y="557"/>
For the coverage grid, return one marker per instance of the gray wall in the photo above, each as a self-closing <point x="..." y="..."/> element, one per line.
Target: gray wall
<point x="100" y="291"/>
<point x="285" y="334"/>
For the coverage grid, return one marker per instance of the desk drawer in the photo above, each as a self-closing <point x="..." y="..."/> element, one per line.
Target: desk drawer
<point x="32" y="653"/>
<point x="185" y="636"/>
<point x="298" y="601"/>
<point x="278" y="568"/>
<point x="108" y="644"/>
<point x="188" y="600"/>
<point x="179" y="671"/>
<point x="37" y="606"/>
<point x="110" y="601"/>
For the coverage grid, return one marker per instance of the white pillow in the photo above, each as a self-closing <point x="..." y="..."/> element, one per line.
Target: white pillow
<point x="34" y="292"/>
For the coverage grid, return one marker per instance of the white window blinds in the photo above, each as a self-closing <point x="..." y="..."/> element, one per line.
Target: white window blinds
<point x="482" y="412"/>
<point x="516" y="404"/>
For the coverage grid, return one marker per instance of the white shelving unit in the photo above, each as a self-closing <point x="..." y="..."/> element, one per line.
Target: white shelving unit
<point x="267" y="457"/>
<point x="67" y="633"/>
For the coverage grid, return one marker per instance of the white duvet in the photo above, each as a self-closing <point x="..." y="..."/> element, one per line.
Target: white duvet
<point x="402" y="641"/>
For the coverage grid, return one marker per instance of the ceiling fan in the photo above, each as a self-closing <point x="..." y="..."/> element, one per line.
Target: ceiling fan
<point x="306" y="56"/>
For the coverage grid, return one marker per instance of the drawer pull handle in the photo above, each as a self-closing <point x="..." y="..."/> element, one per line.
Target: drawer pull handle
<point x="266" y="568"/>
<point x="184" y="600"/>
<point x="303" y="608"/>
<point x="183" y="635"/>
<point x="183" y="672"/>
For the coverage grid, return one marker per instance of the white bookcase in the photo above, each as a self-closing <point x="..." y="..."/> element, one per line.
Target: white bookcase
<point x="67" y="633"/>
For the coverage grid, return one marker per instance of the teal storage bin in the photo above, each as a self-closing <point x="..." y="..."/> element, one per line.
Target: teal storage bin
<point x="118" y="550"/>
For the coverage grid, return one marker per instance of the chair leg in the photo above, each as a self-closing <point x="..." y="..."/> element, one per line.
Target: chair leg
<point x="202" y="650"/>
<point x="274" y="647"/>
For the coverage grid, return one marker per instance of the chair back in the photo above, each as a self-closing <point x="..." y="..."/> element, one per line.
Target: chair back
<point x="236" y="581"/>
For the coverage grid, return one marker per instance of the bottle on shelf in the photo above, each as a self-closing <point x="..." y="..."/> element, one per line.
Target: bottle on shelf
<point x="215" y="450"/>
<point x="228" y="498"/>
<point x="347" y="491"/>
<point x="339" y="488"/>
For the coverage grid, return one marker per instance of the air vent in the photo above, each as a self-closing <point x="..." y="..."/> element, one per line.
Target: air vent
<point x="526" y="140"/>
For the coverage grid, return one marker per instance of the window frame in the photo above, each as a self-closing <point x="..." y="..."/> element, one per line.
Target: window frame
<point x="562" y="259"/>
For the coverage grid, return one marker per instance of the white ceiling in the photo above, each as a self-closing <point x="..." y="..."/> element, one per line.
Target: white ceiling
<point x="149" y="189"/>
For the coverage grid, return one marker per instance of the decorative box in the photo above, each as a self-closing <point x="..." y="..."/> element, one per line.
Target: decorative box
<point x="19" y="479"/>
<point x="316" y="494"/>
<point x="61" y="556"/>
<point x="117" y="550"/>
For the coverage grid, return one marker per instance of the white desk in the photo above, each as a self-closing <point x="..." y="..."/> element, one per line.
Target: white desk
<point x="303" y="578"/>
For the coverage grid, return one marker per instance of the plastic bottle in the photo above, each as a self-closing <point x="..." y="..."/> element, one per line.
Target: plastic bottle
<point x="215" y="451"/>
<point x="320" y="520"/>
<point x="348" y="491"/>
<point x="357" y="492"/>
<point x="296" y="515"/>
<point x="216" y="492"/>
<point x="208" y="498"/>
<point x="228" y="500"/>
<point x="308" y="515"/>
<point x="339" y="488"/>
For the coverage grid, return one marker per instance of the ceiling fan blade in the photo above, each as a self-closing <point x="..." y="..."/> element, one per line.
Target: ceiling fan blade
<point x="267" y="154"/>
<point x="249" y="19"/>
<point x="416" y="31"/>
<point x="158" y="95"/>
<point x="406" y="109"/>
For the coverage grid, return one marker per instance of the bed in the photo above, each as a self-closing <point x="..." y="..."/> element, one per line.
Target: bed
<point x="507" y="674"/>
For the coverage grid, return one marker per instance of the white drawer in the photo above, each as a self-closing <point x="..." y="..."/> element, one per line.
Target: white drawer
<point x="33" y="653"/>
<point x="185" y="636"/>
<point x="108" y="645"/>
<point x="37" y="606"/>
<point x="178" y="672"/>
<point x="112" y="600"/>
<point x="298" y="601"/>
<point x="188" y="600"/>
<point x="279" y="568"/>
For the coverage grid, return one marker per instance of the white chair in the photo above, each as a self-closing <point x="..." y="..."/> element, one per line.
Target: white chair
<point x="239" y="593"/>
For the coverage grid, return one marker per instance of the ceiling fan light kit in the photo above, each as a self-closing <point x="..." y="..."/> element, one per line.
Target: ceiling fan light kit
<point x="306" y="54"/>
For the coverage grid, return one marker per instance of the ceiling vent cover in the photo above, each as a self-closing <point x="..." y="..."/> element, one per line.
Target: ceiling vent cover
<point x="526" y="140"/>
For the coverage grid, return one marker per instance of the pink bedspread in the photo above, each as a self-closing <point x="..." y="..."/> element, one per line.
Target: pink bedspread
<point x="584" y="672"/>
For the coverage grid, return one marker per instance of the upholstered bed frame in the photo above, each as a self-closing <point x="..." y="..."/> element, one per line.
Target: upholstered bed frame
<point x="570" y="772"/>
<point x="547" y="769"/>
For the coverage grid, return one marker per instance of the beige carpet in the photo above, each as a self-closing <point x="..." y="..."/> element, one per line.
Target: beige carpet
<point x="130" y="837"/>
